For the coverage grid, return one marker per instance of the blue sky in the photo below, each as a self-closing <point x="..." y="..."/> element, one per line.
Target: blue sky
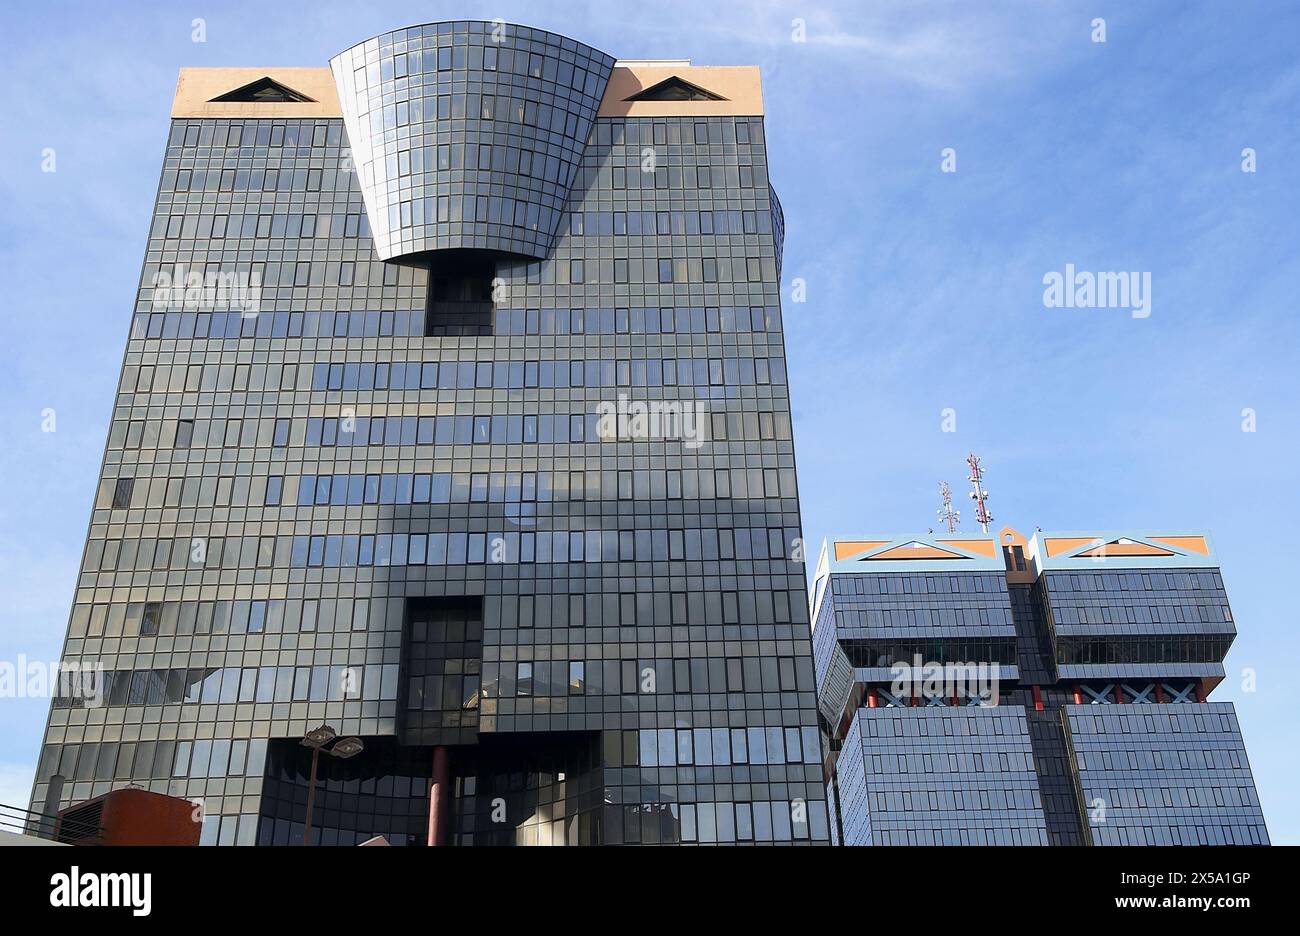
<point x="924" y="288"/>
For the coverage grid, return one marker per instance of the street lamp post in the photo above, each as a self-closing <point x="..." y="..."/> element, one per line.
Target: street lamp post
<point x="319" y="739"/>
<point x="311" y="796"/>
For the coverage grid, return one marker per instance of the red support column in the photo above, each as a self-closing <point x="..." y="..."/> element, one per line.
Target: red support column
<point x="440" y="796"/>
<point x="1078" y="695"/>
<point x="1160" y="692"/>
<point x="1200" y="690"/>
<point x="871" y="697"/>
<point x="1038" y="699"/>
<point x="1119" y="694"/>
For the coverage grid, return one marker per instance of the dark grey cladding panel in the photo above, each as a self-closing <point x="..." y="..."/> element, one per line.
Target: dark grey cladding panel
<point x="1137" y="604"/>
<point x="940" y="776"/>
<point x="1163" y="775"/>
<point x="468" y="134"/>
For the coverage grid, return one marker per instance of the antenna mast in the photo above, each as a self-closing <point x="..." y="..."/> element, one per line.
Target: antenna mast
<point x="947" y="513"/>
<point x="978" y="494"/>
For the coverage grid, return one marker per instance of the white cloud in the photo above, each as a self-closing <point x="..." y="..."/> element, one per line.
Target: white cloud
<point x="936" y="45"/>
<point x="942" y="47"/>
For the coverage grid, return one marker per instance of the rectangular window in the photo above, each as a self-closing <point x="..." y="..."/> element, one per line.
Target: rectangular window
<point x="524" y="679"/>
<point x="150" y="618"/>
<point x="184" y="433"/>
<point x="577" y="677"/>
<point x="122" y="492"/>
<point x="735" y="675"/>
<point x="627" y="677"/>
<point x="682" y="676"/>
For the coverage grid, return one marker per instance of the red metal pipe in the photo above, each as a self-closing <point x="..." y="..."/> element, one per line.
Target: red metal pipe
<point x="440" y="796"/>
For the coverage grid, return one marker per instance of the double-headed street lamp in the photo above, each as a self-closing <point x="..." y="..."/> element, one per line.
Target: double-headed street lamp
<point x="324" y="739"/>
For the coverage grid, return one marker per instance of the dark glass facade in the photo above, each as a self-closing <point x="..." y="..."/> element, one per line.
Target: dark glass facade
<point x="466" y="136"/>
<point x="389" y="495"/>
<point x="1171" y="775"/>
<point x="939" y="776"/>
<point x="1099" y="731"/>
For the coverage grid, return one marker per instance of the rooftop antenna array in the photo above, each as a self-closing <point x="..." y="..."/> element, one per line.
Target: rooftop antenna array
<point x="978" y="494"/>
<point x="947" y="513"/>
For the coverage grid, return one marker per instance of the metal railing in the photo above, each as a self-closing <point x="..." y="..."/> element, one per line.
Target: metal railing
<point x="19" y="821"/>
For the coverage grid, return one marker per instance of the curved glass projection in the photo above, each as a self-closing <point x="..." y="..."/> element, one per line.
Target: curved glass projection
<point x="468" y="134"/>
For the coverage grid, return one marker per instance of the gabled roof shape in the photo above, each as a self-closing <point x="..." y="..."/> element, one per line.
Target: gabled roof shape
<point x="928" y="552"/>
<point x="1121" y="550"/>
<point x="913" y="552"/>
<point x="207" y="92"/>
<point x="675" y="88"/>
<point x="1124" y="546"/>
<point x="265" y="90"/>
<point x="736" y="91"/>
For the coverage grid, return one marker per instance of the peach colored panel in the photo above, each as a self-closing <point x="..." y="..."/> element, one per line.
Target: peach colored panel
<point x="848" y="549"/>
<point x="1063" y="544"/>
<point x="915" y="552"/>
<point x="1190" y="543"/>
<point x="981" y="547"/>
<point x="739" y="84"/>
<point x="196" y="87"/>
<point x="1126" y="549"/>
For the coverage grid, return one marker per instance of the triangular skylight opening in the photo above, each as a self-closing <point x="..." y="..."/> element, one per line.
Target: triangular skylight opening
<point x="675" y="89"/>
<point x="263" y="91"/>
<point x="1123" y="546"/>
<point x="913" y="550"/>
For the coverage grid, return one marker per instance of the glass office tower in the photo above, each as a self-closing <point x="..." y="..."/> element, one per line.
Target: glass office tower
<point x="454" y="416"/>
<point x="982" y="689"/>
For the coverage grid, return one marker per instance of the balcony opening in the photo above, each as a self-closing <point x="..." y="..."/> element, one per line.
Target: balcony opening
<point x="675" y="89"/>
<point x="460" y="294"/>
<point x="442" y="664"/>
<point x="263" y="91"/>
